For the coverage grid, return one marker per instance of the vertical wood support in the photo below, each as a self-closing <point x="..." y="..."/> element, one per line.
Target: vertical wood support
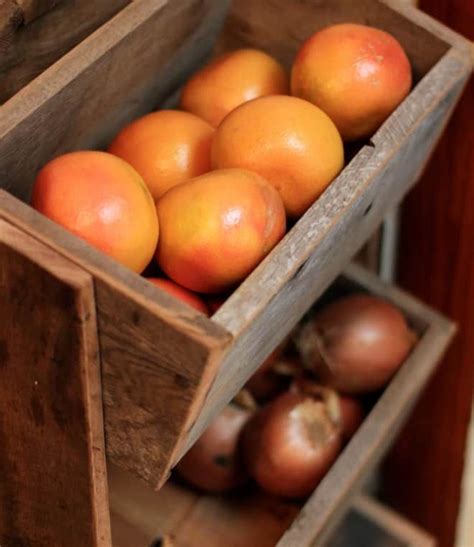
<point x="53" y="485"/>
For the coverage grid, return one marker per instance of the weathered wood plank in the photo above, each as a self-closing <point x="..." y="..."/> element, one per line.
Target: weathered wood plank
<point x="125" y="70"/>
<point x="213" y="520"/>
<point x="158" y="355"/>
<point x="329" y="501"/>
<point x="37" y="45"/>
<point x="32" y="9"/>
<point x="273" y="298"/>
<point x="53" y="486"/>
<point x="11" y="18"/>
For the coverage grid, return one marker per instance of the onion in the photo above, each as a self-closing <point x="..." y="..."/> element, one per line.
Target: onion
<point x="214" y="464"/>
<point x="355" y="344"/>
<point x="273" y="377"/>
<point x="290" y="444"/>
<point x="352" y="415"/>
<point x="347" y="411"/>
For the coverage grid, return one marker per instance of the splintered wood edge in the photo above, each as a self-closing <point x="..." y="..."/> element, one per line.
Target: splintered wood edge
<point x="184" y="318"/>
<point x="318" y="516"/>
<point x="248" y="301"/>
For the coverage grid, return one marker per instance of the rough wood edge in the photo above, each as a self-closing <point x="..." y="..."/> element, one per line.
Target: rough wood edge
<point x="171" y="310"/>
<point x="247" y="302"/>
<point x="70" y="274"/>
<point x="59" y="75"/>
<point x="371" y="440"/>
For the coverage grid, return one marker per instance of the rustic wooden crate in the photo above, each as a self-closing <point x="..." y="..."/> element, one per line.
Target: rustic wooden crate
<point x="139" y="514"/>
<point x="35" y="33"/>
<point x="166" y="370"/>
<point x="84" y="98"/>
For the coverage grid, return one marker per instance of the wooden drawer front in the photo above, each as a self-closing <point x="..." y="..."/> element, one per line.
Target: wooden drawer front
<point x="36" y="33"/>
<point x="168" y="370"/>
<point x="194" y="520"/>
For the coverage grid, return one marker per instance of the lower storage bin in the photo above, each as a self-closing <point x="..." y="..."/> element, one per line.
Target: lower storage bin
<point x="253" y="519"/>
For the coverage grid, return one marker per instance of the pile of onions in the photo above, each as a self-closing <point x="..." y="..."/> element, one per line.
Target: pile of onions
<point x="355" y="344"/>
<point x="352" y="346"/>
<point x="214" y="464"/>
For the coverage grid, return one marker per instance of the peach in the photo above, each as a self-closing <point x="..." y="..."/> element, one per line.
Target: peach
<point x="180" y="293"/>
<point x="104" y="201"/>
<point x="216" y="228"/>
<point x="290" y="142"/>
<point x="357" y="74"/>
<point x="167" y="147"/>
<point x="230" y="80"/>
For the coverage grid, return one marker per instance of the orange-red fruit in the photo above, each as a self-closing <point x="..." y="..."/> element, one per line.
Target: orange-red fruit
<point x="166" y="147"/>
<point x="216" y="228"/>
<point x="103" y="200"/>
<point x="357" y="74"/>
<point x="290" y="142"/>
<point x="181" y="293"/>
<point x="230" y="80"/>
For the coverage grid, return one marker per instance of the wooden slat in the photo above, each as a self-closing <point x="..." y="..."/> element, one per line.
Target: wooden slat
<point x="38" y="45"/>
<point x="32" y="9"/>
<point x="177" y="352"/>
<point x="125" y="70"/>
<point x="282" y="288"/>
<point x="208" y="520"/>
<point x="158" y="355"/>
<point x="53" y="487"/>
<point x="324" y="508"/>
<point x="11" y="18"/>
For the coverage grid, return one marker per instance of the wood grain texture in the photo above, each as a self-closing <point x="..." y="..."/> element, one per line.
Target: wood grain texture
<point x="177" y="352"/>
<point x="158" y="355"/>
<point x="205" y="520"/>
<point x="53" y="486"/>
<point x="129" y="67"/>
<point x="11" y="17"/>
<point x="32" y="9"/>
<point x="325" y="507"/>
<point x="273" y="298"/>
<point x="437" y="263"/>
<point x="141" y="516"/>
<point x="36" y="46"/>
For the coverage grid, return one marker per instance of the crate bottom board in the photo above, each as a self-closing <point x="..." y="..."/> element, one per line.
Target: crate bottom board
<point x="179" y="517"/>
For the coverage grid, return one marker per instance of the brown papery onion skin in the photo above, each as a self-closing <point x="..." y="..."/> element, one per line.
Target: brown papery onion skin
<point x="290" y="444"/>
<point x="214" y="463"/>
<point x="355" y="344"/>
<point x="352" y="415"/>
<point x="273" y="377"/>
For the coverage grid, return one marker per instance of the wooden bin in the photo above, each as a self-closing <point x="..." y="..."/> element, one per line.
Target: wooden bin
<point x="140" y="515"/>
<point x="166" y="370"/>
<point x="35" y="33"/>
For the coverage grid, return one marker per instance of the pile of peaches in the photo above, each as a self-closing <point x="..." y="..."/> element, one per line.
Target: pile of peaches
<point x="207" y="190"/>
